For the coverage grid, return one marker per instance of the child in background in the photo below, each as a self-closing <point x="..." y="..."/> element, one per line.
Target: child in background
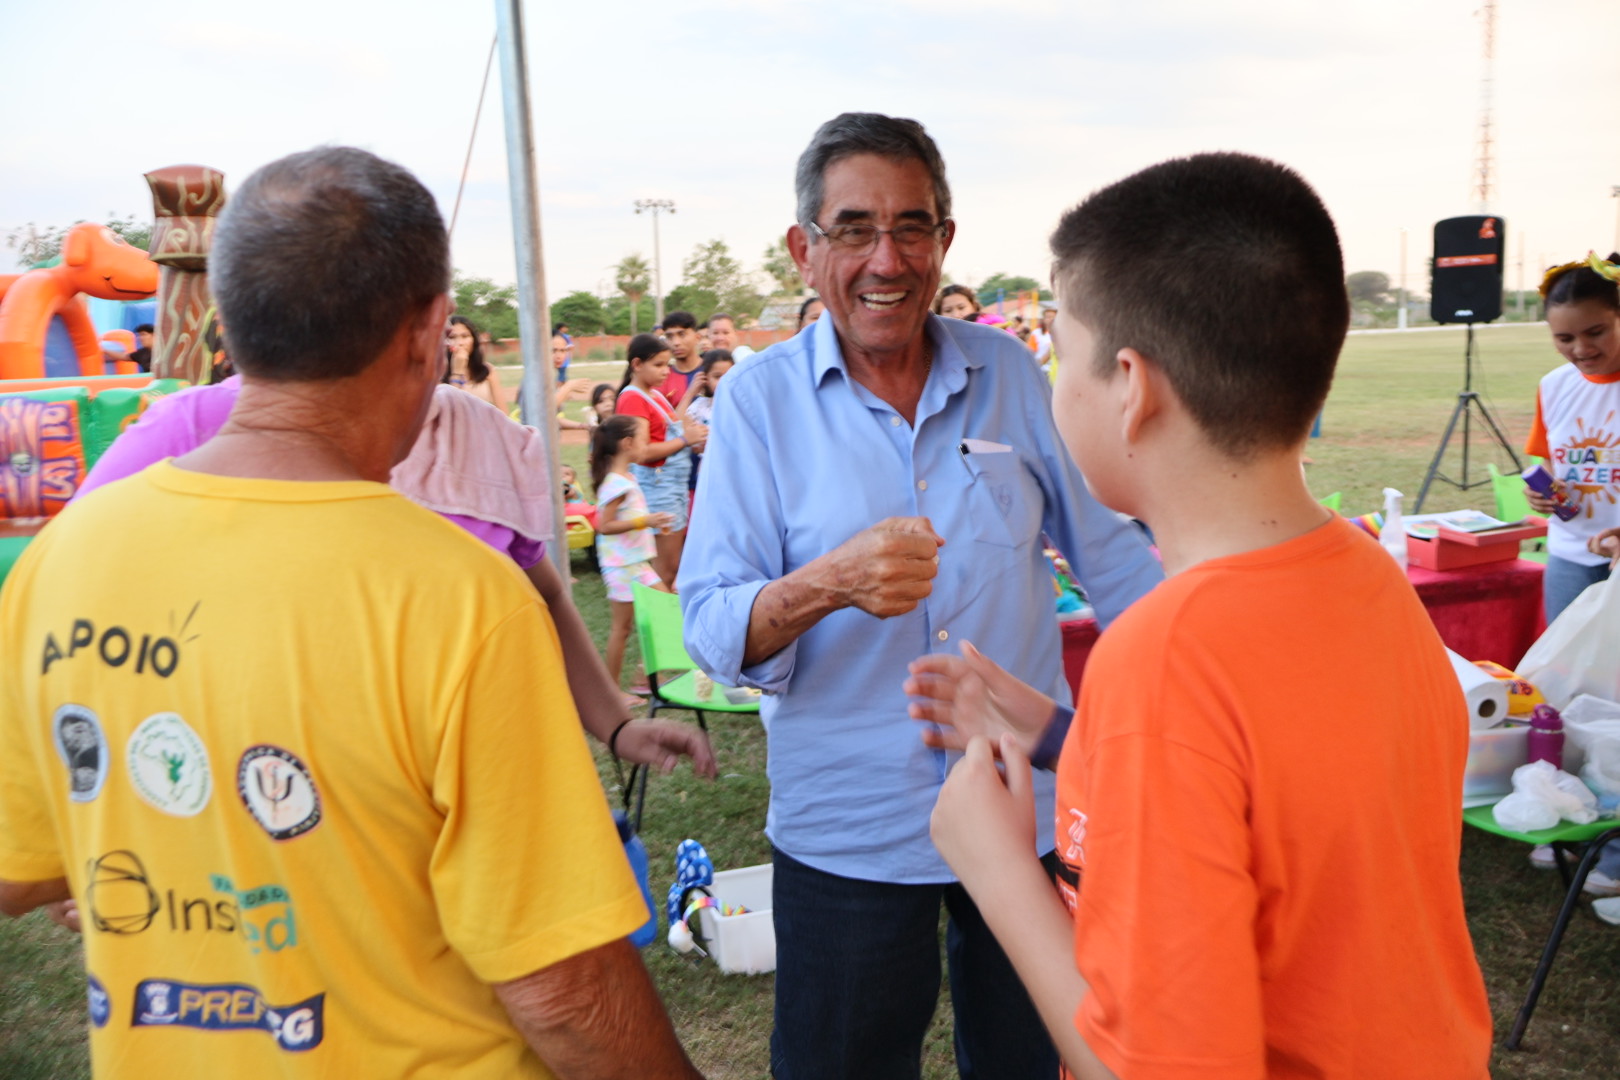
<point x="602" y="395"/>
<point x="1574" y="409"/>
<point x="716" y="362"/>
<point x="624" y="528"/>
<point x="570" y="485"/>
<point x="665" y="462"/>
<point x="957" y="302"/>
<point x="1256" y="877"/>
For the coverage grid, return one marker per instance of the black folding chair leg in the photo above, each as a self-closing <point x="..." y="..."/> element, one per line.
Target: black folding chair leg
<point x="1561" y="850"/>
<point x="1572" y="896"/>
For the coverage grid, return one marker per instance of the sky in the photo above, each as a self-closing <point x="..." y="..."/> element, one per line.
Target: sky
<point x="1034" y="103"/>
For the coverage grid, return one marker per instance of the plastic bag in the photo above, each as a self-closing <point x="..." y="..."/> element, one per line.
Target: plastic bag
<point x="1542" y="797"/>
<point x="1592" y="742"/>
<point x="1580" y="652"/>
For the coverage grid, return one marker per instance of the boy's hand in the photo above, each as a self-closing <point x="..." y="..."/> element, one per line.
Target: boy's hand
<point x="980" y="820"/>
<point x="661" y="520"/>
<point x="971" y="695"/>
<point x="1607" y="544"/>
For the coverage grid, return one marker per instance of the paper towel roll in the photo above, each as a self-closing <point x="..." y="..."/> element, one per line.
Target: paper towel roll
<point x="1487" y="696"/>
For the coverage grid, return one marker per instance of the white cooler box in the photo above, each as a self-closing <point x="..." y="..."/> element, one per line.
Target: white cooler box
<point x="741" y="944"/>
<point x="1493" y="754"/>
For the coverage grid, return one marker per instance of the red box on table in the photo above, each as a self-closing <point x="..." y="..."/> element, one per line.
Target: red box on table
<point x="1452" y="549"/>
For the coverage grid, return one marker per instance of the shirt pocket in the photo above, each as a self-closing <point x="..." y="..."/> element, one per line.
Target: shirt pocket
<point x="1004" y="499"/>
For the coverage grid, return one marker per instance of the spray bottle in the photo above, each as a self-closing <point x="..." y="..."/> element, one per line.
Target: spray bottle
<point x="1393" y="533"/>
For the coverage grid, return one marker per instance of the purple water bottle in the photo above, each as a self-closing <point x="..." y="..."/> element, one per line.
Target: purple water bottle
<point x="1546" y="739"/>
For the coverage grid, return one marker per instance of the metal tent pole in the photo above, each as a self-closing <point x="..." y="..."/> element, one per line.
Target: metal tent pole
<point x="533" y="311"/>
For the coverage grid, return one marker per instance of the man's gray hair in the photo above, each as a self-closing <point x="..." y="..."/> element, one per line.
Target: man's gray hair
<point x="866" y="133"/>
<point x="317" y="260"/>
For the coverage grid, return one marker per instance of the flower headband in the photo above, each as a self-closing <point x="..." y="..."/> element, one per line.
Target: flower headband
<point x="1599" y="265"/>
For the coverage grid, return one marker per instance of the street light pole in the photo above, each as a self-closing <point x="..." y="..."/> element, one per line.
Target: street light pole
<point x="655" y="207"/>
<point x="533" y="311"/>
<point x="1400" y="316"/>
<point x="1614" y="192"/>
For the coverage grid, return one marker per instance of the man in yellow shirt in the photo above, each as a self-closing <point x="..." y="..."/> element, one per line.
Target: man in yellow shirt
<point x="311" y="770"/>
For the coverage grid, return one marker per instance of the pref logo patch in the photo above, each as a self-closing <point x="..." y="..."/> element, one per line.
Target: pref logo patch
<point x="229" y="1007"/>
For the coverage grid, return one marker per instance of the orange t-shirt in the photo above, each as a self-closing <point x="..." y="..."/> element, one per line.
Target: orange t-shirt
<point x="1262" y="863"/>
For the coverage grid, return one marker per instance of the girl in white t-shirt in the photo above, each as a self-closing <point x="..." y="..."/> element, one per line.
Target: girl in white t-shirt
<point x="1577" y="425"/>
<point x="624" y="528"/>
<point x="1577" y="429"/>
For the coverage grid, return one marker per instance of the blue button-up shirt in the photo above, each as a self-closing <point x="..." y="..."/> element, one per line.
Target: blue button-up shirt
<point x="805" y="459"/>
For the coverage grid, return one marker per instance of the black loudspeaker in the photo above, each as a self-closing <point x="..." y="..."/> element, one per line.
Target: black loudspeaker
<point x="1467" y="280"/>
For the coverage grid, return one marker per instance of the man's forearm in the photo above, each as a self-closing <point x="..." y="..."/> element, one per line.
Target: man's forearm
<point x="596" y="696"/>
<point x="597" y="1015"/>
<point x="18" y="898"/>
<point x="787" y="607"/>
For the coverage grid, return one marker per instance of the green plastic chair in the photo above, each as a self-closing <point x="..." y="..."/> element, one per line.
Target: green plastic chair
<point x="1512" y="505"/>
<point x="663" y="652"/>
<point x="1332" y="501"/>
<point x="1584" y="842"/>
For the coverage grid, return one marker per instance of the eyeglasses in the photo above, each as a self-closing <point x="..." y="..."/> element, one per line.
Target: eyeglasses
<point x="859" y="239"/>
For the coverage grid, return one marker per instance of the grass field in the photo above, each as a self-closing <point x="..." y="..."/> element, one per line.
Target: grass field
<point x="1380" y="427"/>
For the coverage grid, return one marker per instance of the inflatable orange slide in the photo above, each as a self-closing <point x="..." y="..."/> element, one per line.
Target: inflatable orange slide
<point x="95" y="260"/>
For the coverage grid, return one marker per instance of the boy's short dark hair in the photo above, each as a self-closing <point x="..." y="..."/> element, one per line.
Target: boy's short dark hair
<point x="681" y="319"/>
<point x="1225" y="270"/>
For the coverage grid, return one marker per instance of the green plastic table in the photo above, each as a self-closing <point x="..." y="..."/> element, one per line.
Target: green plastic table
<point x="1588" y="840"/>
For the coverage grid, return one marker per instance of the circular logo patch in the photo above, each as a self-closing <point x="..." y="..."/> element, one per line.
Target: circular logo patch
<point x="100" y="1003"/>
<point x="83" y="748"/>
<point x="278" y="791"/>
<point x="169" y="765"/>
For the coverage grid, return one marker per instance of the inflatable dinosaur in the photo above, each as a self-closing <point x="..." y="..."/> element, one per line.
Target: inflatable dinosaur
<point x="95" y="260"/>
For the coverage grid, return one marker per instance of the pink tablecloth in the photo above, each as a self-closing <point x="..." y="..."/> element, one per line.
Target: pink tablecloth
<point x="1490" y="612"/>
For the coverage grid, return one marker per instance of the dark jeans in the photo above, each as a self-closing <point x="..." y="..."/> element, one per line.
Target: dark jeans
<point x="1565" y="580"/>
<point x="857" y="979"/>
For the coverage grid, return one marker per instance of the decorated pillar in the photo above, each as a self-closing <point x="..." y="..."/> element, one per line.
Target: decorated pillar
<point x="186" y="200"/>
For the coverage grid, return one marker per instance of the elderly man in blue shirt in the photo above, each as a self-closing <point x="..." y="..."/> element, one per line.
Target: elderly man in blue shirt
<point x="879" y="491"/>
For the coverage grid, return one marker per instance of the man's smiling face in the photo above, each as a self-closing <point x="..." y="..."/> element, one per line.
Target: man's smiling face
<point x="879" y="299"/>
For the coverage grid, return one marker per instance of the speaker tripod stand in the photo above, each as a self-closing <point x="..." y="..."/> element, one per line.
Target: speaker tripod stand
<point x="1468" y="402"/>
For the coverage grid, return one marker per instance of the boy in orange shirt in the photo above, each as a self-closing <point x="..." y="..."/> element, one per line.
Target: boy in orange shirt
<point x="1258" y="873"/>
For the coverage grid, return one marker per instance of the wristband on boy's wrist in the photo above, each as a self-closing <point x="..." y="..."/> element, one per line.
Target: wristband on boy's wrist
<point x="639" y="521"/>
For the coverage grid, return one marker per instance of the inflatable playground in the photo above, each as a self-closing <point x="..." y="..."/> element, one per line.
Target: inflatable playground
<point x="70" y="382"/>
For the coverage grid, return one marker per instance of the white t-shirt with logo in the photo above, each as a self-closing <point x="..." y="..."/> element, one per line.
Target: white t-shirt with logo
<point x="1577" y="429"/>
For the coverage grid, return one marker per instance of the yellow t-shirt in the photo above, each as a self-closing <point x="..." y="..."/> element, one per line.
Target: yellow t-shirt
<point x="306" y="754"/>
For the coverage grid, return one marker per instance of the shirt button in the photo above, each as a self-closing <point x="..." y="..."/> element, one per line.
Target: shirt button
<point x="922" y="485"/>
<point x="944" y="635"/>
<point x="894" y="421"/>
